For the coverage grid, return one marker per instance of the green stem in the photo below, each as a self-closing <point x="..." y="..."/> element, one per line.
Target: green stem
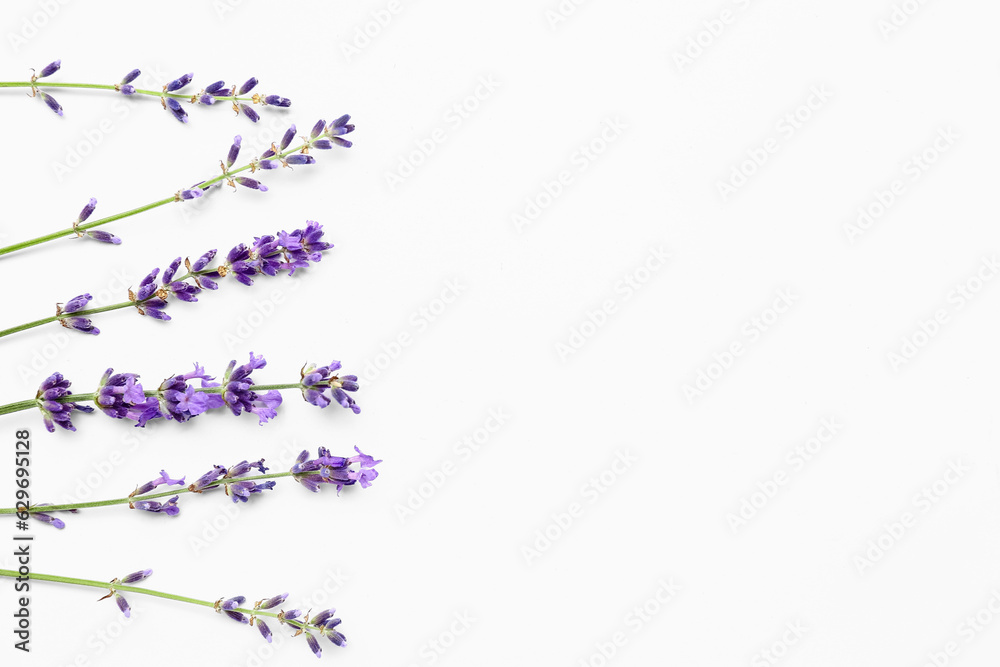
<point x="105" y="86"/>
<point x="149" y="496"/>
<point x="122" y="588"/>
<point x="204" y="185"/>
<point x="17" y="407"/>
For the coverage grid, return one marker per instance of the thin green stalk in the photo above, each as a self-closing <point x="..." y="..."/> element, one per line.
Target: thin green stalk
<point x="106" y="86"/>
<point x="122" y="588"/>
<point x="118" y="216"/>
<point x="135" y="499"/>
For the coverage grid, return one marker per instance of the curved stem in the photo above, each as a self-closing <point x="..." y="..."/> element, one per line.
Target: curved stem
<point x="204" y="185"/>
<point x="134" y="499"/>
<point x="121" y="588"/>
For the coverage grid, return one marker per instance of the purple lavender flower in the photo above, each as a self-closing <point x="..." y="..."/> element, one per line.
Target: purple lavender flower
<point x="239" y="396"/>
<point x="136" y="577"/>
<point x="87" y="211"/>
<point x="125" y="87"/>
<point x="178" y="83"/>
<point x="320" y="386"/>
<point x="336" y="470"/>
<point x="210" y="477"/>
<point x="234" y="151"/>
<point x="104" y="237"/>
<point x="229" y="607"/>
<point x="130" y="77"/>
<point x="317" y="129"/>
<point x="327" y="626"/>
<point x="340" y="127"/>
<point x="322" y="144"/>
<point x="48" y="518"/>
<point x="206" y="99"/>
<point x="249" y="112"/>
<point x="299" y="158"/>
<point x="265" y="631"/>
<point x="178" y="400"/>
<point x="164" y="478"/>
<point x="314" y="645"/>
<point x="51" y="102"/>
<point x="123" y="604"/>
<point x="177" y="110"/>
<point x="271" y="602"/>
<point x="287" y="138"/>
<point x="193" y="193"/>
<point x="250" y="84"/>
<point x="55" y="411"/>
<point x="82" y="324"/>
<point x="251" y="183"/>
<point x="50" y="69"/>
<point x="277" y="100"/>
<point x="303" y="246"/>
<point x="217" y="88"/>
<point x="169" y="508"/>
<point x="119" y="394"/>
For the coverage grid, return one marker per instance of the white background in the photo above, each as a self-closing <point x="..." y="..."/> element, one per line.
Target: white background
<point x="825" y="552"/>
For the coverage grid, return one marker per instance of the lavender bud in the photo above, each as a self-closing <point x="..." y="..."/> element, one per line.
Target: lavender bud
<point x="340" y="141"/>
<point x="248" y="86"/>
<point x="82" y="324"/>
<point x="322" y="144"/>
<point x="234" y="151"/>
<point x="206" y="99"/>
<point x="278" y="101"/>
<point x="49" y="519"/>
<point x="177" y="110"/>
<point x="191" y="194"/>
<point x="131" y="76"/>
<point x="104" y="237"/>
<point x="314" y="645"/>
<point x="77" y="303"/>
<point x="249" y="112"/>
<point x="268" y="164"/>
<point x="180" y="82"/>
<point x="340" y="122"/>
<point x="123" y="605"/>
<point x="299" y="158"/>
<point x="87" y="210"/>
<point x="50" y="69"/>
<point x="251" y="183"/>
<point x="287" y="139"/>
<point x="51" y="102"/>
<point x="203" y="261"/>
<point x="317" y="129"/>
<point x="272" y="602"/>
<point x="127" y="89"/>
<point x="216" y="88"/>
<point x="136" y="576"/>
<point x="168" y="275"/>
<point x="264" y="630"/>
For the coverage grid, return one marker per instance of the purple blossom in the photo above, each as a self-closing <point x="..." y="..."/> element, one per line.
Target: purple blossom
<point x="81" y="324"/>
<point x="178" y="400"/>
<point x="229" y="607"/>
<point x="177" y="110"/>
<point x="251" y="183"/>
<point x="50" y="69"/>
<point x="54" y="410"/>
<point x="320" y="386"/>
<point x="76" y="303"/>
<point x="210" y="477"/>
<point x="206" y="99"/>
<point x="169" y="508"/>
<point x="322" y="144"/>
<point x="125" y="87"/>
<point x="299" y="158"/>
<point x="217" y="88"/>
<point x="164" y="478"/>
<point x="249" y="85"/>
<point x="48" y="518"/>
<point x="87" y="210"/>
<point x="193" y="193"/>
<point x="303" y="246"/>
<point x="119" y="394"/>
<point x="336" y="470"/>
<point x="104" y="237"/>
<point x="130" y="77"/>
<point x="239" y="396"/>
<point x="287" y="138"/>
<point x="317" y="129"/>
<point x="314" y="645"/>
<point x="271" y="602"/>
<point x="265" y="631"/>
<point x="249" y="112"/>
<point x="234" y="151"/>
<point x="123" y="604"/>
<point x="136" y="577"/>
<point x="277" y="100"/>
<point x="51" y="102"/>
<point x="170" y="272"/>
<point x="179" y="83"/>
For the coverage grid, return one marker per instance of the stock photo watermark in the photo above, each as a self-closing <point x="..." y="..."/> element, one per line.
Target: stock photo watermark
<point x="710" y="32"/>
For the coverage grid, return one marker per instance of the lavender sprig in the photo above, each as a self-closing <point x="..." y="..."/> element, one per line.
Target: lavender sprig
<point x="170" y="96"/>
<point x="275" y="156"/>
<point x="235" y="481"/>
<point x="267" y="256"/>
<point x="121" y="396"/>
<point x="322" y="624"/>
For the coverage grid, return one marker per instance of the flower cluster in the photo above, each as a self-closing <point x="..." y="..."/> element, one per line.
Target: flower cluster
<point x="237" y="483"/>
<point x="336" y="470"/>
<point x="172" y="93"/>
<point x="266" y="256"/>
<point x="323" y="623"/>
<point x="121" y="395"/>
<point x="321" y="386"/>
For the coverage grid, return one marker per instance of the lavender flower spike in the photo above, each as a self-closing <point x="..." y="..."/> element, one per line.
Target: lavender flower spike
<point x="239" y="396"/>
<point x="336" y="470"/>
<point x="320" y="386"/>
<point x="53" y="410"/>
<point x="119" y="394"/>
